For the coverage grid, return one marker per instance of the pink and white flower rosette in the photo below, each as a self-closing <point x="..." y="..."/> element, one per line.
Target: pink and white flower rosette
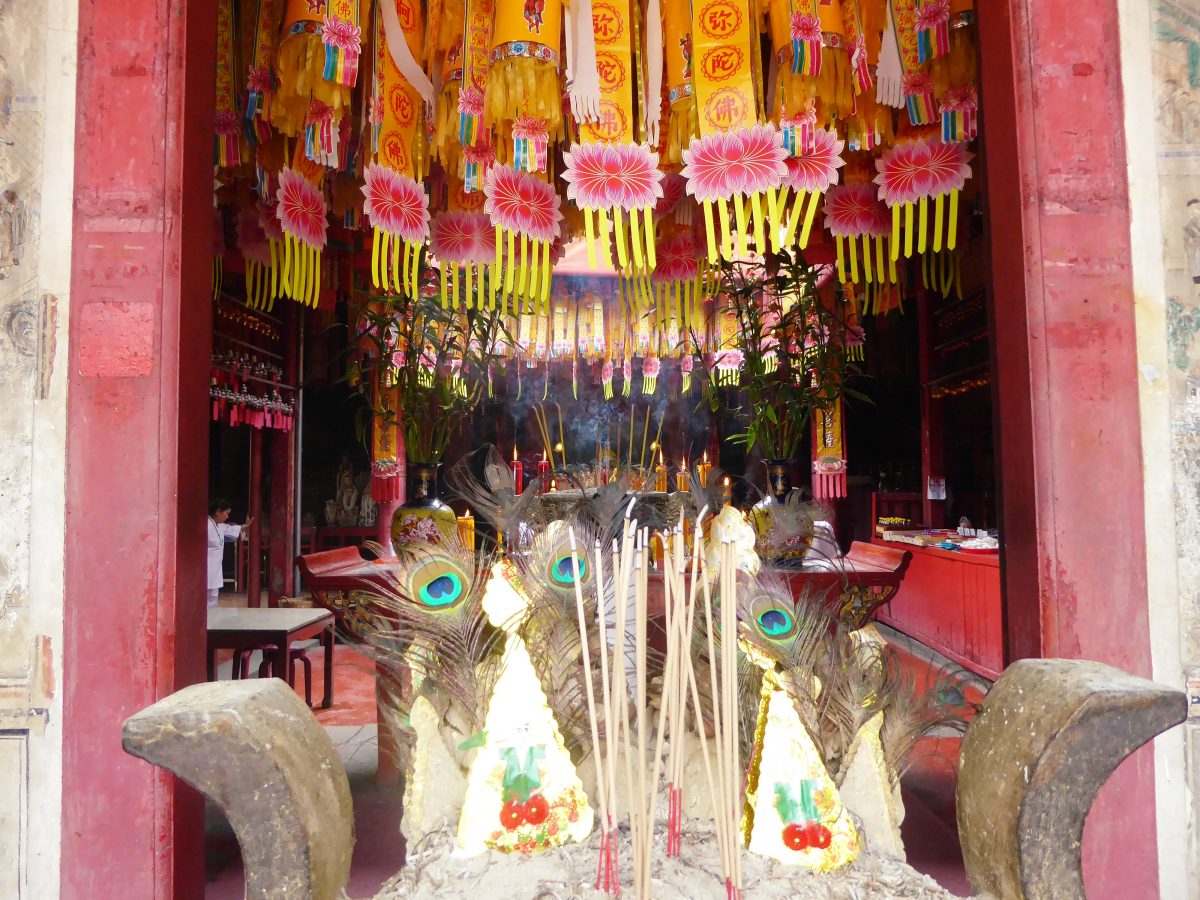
<point x="920" y="169"/>
<point x="395" y="204"/>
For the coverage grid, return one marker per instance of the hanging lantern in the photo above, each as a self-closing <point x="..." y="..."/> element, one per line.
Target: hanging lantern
<point x="398" y="210"/>
<point x="911" y="174"/>
<point x="519" y="203"/>
<point x="853" y="213"/>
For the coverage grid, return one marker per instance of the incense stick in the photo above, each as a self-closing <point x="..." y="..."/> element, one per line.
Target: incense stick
<point x="611" y="882"/>
<point x="562" y="436"/>
<point x="645" y="434"/>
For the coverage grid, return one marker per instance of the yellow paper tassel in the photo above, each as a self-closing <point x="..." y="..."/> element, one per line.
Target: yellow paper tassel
<point x="879" y="255"/>
<point x="274" y="245"/>
<point x="523" y="271"/>
<point x="866" y="245"/>
<point x="375" y="257"/>
<point x="908" y="230"/>
<point x="635" y="238"/>
<point x="726" y="231"/>
<point x="710" y="230"/>
<point x="445" y="280"/>
<point x="453" y="286"/>
<point x="547" y="269"/>
<point x="924" y="226"/>
<point x="316" y="296"/>
<point x="794" y="218"/>
<point x="605" y="239"/>
<point x="895" y="232"/>
<point x="939" y="204"/>
<point x="395" y="275"/>
<point x="739" y="209"/>
<point x="841" y="259"/>
<point x="648" y="230"/>
<point x="287" y="264"/>
<point x="589" y="227"/>
<point x="756" y="213"/>
<point x="619" y="228"/>
<point x="510" y="265"/>
<point x="534" y="270"/>
<point x="854" y="259"/>
<point x="952" y="233"/>
<point x="813" y="201"/>
<point x="773" y="217"/>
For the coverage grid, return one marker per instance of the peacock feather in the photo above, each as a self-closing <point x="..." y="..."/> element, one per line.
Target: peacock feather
<point x="427" y="622"/>
<point x="493" y="495"/>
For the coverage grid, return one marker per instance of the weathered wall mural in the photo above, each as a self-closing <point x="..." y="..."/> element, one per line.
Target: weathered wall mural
<point x="36" y="65"/>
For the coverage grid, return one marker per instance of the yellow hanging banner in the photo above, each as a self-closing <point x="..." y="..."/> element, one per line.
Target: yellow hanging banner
<point x="398" y="104"/>
<point x="615" y="66"/>
<point x="723" y="77"/>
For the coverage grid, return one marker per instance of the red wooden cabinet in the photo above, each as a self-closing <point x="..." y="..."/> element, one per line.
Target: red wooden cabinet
<point x="950" y="601"/>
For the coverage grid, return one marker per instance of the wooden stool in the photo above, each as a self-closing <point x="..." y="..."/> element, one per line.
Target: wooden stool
<point x="297" y="654"/>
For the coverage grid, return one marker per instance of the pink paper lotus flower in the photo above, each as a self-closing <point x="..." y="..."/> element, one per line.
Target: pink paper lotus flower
<point x="251" y="239"/>
<point x="914" y="84"/>
<point x="721" y="165"/>
<point x="268" y="220"/>
<point x="674" y="188"/>
<point x="805" y="27"/>
<point x="608" y="176"/>
<point x="341" y="34"/>
<point x="301" y="208"/>
<point x="933" y="13"/>
<point x="922" y="168"/>
<point x="676" y="259"/>
<point x="816" y="170"/>
<point x="462" y="237"/>
<point x="470" y="101"/>
<point x="521" y="203"/>
<point x="376" y="114"/>
<point x="395" y="203"/>
<point x="852" y="210"/>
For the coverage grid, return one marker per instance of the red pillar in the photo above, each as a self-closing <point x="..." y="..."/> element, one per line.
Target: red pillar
<point x="254" y="511"/>
<point x="1067" y="398"/>
<point x="140" y="326"/>
<point x="281" y="456"/>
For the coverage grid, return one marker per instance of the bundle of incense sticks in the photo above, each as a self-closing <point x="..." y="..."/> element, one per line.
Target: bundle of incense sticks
<point x="551" y="446"/>
<point x="626" y="735"/>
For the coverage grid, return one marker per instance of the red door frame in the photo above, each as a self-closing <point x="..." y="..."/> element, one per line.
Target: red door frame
<point x="137" y="436"/>
<point x="139" y="348"/>
<point x="1067" y="385"/>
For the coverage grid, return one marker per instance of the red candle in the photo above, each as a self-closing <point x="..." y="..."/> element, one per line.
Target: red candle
<point x="543" y="473"/>
<point x="518" y="472"/>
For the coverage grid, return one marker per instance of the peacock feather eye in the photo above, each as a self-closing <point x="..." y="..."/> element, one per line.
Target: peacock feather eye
<point x="443" y="590"/>
<point x="775" y="622"/>
<point x="437" y="583"/>
<point x="564" y="571"/>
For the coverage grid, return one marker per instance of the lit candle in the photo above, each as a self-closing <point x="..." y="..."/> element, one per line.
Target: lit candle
<point x="518" y="472"/>
<point x="554" y="484"/>
<point x="660" y="475"/>
<point x="466" y="531"/>
<point x="543" y="473"/>
<point x="703" y="470"/>
<point x="727" y="491"/>
<point x="682" y="482"/>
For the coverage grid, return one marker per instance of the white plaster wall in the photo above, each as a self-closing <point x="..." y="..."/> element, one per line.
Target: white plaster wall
<point x="1162" y="128"/>
<point x="37" y="82"/>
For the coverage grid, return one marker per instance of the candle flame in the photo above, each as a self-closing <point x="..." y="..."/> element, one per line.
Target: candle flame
<point x="514" y="452"/>
<point x="706" y="457"/>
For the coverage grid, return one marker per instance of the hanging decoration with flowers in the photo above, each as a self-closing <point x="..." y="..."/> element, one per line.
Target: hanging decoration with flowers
<point x="809" y="174"/>
<point x="743" y="168"/>
<point x="853" y="212"/>
<point x="398" y="209"/>
<point x="464" y="243"/>
<point x="909" y="176"/>
<point x="520" y="203"/>
<point x="300" y="208"/>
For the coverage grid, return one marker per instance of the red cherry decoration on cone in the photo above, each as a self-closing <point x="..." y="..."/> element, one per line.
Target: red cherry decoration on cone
<point x="819" y="836"/>
<point x="795" y="837"/>
<point x="536" y="809"/>
<point x="512" y="814"/>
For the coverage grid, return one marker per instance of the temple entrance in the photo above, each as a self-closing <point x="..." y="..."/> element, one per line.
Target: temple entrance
<point x="947" y="388"/>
